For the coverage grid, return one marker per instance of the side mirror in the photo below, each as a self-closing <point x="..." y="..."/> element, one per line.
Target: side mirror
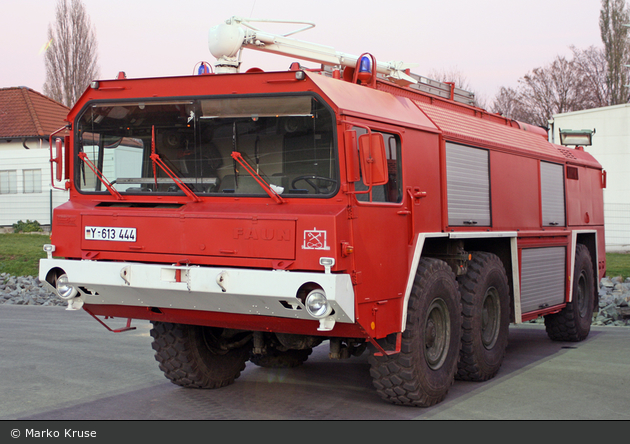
<point x="66" y="165"/>
<point x="373" y="159"/>
<point x="58" y="160"/>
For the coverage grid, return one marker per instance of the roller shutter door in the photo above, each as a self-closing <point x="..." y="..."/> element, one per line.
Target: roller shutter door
<point x="552" y="194"/>
<point x="543" y="272"/>
<point x="468" y="183"/>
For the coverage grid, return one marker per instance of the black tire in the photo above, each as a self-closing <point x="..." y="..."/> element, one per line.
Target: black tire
<point x="573" y="323"/>
<point x="485" y="317"/>
<point x="191" y="356"/>
<point x="424" y="370"/>
<point x="281" y="359"/>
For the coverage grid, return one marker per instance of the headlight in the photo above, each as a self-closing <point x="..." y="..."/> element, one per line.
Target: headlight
<point x="317" y="305"/>
<point x="49" y="249"/>
<point x="64" y="290"/>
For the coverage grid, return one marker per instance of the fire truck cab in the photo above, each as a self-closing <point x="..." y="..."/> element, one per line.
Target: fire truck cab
<point x="253" y="216"/>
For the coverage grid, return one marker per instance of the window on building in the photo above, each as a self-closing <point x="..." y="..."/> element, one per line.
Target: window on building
<point x="32" y="181"/>
<point x="8" y="182"/>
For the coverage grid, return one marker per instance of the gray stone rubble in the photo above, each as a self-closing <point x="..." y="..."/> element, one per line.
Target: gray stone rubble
<point x="614" y="297"/>
<point x="26" y="290"/>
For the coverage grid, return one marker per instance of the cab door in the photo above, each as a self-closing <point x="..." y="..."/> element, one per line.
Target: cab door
<point x="380" y="226"/>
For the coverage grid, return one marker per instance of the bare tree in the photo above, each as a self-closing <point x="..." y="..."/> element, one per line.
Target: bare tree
<point x="613" y="16"/>
<point x="562" y="86"/>
<point x="593" y="69"/>
<point x="71" y="61"/>
<point x="508" y="103"/>
<point x="551" y="90"/>
<point x="454" y="75"/>
<point x="594" y="77"/>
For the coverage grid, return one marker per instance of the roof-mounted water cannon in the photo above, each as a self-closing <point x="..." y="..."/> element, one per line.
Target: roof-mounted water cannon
<point x="227" y="40"/>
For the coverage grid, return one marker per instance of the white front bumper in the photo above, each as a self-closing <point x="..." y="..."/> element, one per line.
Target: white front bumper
<point x="227" y="290"/>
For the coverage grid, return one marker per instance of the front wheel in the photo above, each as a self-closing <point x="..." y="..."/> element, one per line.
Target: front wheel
<point x="199" y="357"/>
<point x="424" y="370"/>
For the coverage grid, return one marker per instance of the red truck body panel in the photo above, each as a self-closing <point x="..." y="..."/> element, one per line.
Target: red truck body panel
<point x="253" y="232"/>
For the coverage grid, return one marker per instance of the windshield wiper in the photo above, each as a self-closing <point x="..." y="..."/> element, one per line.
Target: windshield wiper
<point x="99" y="175"/>
<point x="257" y="177"/>
<point x="156" y="160"/>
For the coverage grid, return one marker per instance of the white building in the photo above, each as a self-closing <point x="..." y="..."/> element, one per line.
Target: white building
<point x="611" y="147"/>
<point x="27" y="118"/>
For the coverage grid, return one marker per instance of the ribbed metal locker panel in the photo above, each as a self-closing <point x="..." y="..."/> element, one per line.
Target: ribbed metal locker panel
<point x="552" y="194"/>
<point x="543" y="273"/>
<point x="468" y="185"/>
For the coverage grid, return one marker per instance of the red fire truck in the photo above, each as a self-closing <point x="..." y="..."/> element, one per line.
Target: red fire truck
<point x="252" y="216"/>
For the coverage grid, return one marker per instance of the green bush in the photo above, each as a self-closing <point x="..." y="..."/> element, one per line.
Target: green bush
<point x="29" y="226"/>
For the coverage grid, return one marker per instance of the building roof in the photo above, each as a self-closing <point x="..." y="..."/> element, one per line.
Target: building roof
<point x="603" y="109"/>
<point x="25" y="113"/>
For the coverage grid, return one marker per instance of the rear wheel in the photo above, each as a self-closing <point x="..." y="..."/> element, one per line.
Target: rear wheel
<point x="573" y="323"/>
<point x="422" y="373"/>
<point x="199" y="357"/>
<point x="485" y="317"/>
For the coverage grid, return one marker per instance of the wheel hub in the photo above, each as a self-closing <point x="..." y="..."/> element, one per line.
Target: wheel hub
<point x="490" y="318"/>
<point x="581" y="295"/>
<point x="436" y="334"/>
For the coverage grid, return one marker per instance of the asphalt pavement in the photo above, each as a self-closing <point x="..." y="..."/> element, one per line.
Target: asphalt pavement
<point x="60" y="365"/>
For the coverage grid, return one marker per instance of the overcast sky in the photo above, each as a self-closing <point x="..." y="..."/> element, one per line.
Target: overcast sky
<point x="491" y="42"/>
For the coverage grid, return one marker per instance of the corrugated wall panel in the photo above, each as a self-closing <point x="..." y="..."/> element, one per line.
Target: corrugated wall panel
<point x="542" y="277"/>
<point x="468" y="184"/>
<point x="28" y="206"/>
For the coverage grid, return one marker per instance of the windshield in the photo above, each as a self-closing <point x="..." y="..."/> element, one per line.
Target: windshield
<point x="148" y="147"/>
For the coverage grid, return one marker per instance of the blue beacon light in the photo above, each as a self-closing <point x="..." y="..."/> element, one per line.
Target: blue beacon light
<point x="203" y="69"/>
<point x="365" y="69"/>
<point x="365" y="66"/>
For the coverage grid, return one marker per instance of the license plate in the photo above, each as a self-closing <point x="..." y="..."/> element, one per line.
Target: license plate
<point x="118" y="234"/>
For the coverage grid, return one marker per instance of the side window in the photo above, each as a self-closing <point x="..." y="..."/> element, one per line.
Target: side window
<point x="392" y="190"/>
<point x="468" y="183"/>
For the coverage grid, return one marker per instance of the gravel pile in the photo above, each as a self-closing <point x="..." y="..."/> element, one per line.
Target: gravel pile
<point x="25" y="290"/>
<point x="614" y="297"/>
